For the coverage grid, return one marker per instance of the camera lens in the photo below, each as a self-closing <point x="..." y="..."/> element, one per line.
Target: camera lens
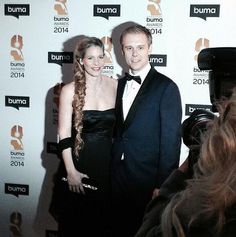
<point x="195" y="125"/>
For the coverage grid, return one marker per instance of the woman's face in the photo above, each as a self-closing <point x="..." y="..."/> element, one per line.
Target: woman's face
<point x="93" y="61"/>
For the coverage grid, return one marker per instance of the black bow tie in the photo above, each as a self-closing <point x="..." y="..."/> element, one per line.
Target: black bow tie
<point x="129" y="77"/>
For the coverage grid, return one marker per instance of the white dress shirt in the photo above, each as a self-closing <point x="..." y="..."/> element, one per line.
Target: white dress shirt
<point x="132" y="88"/>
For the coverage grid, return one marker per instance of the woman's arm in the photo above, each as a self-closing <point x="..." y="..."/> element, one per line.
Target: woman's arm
<point x="74" y="177"/>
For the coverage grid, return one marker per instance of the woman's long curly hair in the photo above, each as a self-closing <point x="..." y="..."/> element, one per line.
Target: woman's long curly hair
<point x="80" y="86"/>
<point x="212" y="191"/>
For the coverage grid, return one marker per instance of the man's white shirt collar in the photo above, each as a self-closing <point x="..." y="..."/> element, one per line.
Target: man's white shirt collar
<point x="143" y="73"/>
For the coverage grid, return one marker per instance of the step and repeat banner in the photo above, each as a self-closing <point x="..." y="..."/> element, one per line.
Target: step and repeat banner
<point x="37" y="39"/>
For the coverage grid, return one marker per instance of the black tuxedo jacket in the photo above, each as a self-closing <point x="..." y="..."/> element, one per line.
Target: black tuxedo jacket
<point x="149" y="138"/>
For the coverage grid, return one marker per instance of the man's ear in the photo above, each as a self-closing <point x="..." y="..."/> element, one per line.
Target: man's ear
<point x="122" y="51"/>
<point x="150" y="49"/>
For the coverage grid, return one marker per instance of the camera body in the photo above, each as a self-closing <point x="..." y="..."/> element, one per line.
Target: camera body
<point x="221" y="63"/>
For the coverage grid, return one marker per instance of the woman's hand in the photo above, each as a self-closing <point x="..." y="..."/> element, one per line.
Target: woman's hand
<point x="74" y="180"/>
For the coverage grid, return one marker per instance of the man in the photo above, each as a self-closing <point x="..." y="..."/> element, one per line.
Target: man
<point x="147" y="135"/>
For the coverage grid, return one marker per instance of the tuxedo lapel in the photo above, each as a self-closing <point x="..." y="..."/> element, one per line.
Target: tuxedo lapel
<point x="141" y="93"/>
<point x="119" y="104"/>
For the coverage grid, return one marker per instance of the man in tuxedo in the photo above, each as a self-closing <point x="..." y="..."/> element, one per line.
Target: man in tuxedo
<point x="147" y="138"/>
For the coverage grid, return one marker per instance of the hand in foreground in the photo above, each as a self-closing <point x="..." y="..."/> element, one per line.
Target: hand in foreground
<point x="184" y="166"/>
<point x="155" y="193"/>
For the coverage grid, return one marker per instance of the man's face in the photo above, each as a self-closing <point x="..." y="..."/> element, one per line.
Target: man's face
<point x="136" y="51"/>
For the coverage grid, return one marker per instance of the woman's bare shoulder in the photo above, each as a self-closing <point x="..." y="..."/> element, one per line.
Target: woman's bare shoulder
<point x="68" y="89"/>
<point x="111" y="80"/>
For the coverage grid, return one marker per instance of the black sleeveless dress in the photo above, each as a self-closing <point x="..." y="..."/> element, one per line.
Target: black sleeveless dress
<point x="88" y="215"/>
<point x="94" y="158"/>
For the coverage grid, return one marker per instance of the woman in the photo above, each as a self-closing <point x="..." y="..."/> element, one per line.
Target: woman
<point x="86" y="120"/>
<point x="207" y="207"/>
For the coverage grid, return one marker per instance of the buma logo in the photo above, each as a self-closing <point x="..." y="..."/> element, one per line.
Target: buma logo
<point x="106" y="11"/>
<point x="158" y="60"/>
<point x="17" y="101"/>
<point x="154" y="7"/>
<point x="17" y="135"/>
<point x="17" y="10"/>
<point x="16" y="189"/>
<point x="17" y="45"/>
<point x="60" y="57"/>
<point x="204" y="11"/>
<point x="15" y="224"/>
<point x="189" y="108"/>
<point x="200" y="44"/>
<point x="60" y="7"/>
<point x="107" y="41"/>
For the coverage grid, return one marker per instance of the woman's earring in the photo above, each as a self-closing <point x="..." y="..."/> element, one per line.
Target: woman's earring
<point x="81" y="61"/>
